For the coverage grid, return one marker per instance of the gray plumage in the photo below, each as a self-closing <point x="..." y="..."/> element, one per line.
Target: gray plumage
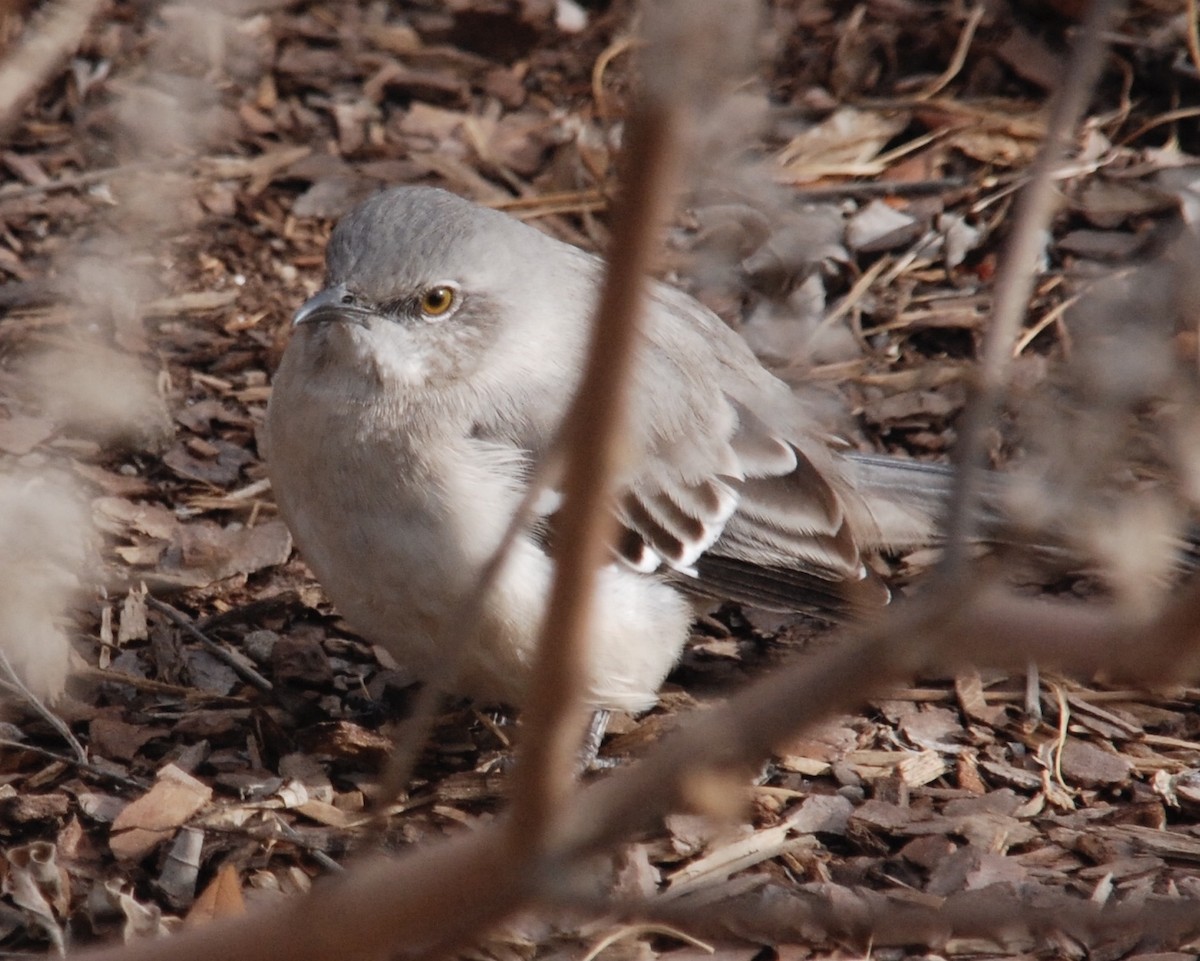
<point x="418" y="389"/>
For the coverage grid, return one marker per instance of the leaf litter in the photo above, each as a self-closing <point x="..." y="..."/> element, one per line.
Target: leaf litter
<point x="203" y="792"/>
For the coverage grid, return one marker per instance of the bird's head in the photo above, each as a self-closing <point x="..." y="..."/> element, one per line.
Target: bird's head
<point x="425" y="289"/>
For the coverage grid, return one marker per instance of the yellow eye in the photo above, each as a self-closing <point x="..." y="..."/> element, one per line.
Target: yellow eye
<point x="437" y="300"/>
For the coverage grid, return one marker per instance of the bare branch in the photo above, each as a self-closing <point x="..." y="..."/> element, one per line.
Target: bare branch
<point x="447" y="894"/>
<point x="556" y="712"/>
<point x="1009" y="915"/>
<point x="1018" y="272"/>
<point x="47" y="43"/>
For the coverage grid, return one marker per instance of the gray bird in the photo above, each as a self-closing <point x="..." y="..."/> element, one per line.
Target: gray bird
<point x="422" y="384"/>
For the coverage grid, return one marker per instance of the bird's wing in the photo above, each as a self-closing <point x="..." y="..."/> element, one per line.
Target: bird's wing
<point x="730" y="491"/>
<point x="733" y="492"/>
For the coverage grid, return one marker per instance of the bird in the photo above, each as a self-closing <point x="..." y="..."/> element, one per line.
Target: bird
<point x="422" y="385"/>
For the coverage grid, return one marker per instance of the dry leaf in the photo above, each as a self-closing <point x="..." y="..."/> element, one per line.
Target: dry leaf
<point x="155" y="816"/>
<point x="221" y="899"/>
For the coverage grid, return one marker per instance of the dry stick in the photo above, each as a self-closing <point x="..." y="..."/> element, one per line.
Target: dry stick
<point x="555" y="713"/>
<point x="867" y="190"/>
<point x="1170" y="116"/>
<point x="1031" y="223"/>
<point x="48" y="42"/>
<point x="95" y="770"/>
<point x="106" y="676"/>
<point x="974" y="18"/>
<point x="232" y="661"/>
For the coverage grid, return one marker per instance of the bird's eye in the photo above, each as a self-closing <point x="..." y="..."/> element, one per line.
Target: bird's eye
<point x="436" y="301"/>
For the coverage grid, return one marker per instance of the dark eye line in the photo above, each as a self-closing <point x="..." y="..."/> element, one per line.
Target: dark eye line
<point x="401" y="306"/>
<point x="409" y="306"/>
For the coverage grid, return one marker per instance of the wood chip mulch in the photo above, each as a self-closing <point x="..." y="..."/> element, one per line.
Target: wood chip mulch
<point x="164" y="208"/>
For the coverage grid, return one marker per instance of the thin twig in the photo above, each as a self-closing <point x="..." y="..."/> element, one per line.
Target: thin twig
<point x="12" y="683"/>
<point x="974" y="18"/>
<point x="913" y="188"/>
<point x="323" y="859"/>
<point x="1034" y="212"/>
<point x="151" y="686"/>
<point x="235" y="663"/>
<point x="98" y="772"/>
<point x="1169" y="116"/>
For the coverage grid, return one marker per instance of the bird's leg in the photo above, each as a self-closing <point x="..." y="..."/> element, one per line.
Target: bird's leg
<point x="589" y="759"/>
<point x="589" y="754"/>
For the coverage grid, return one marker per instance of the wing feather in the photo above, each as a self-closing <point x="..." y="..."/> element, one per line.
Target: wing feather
<point x="730" y="482"/>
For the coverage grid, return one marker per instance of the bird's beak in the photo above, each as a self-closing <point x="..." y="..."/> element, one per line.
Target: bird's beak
<point x="332" y="303"/>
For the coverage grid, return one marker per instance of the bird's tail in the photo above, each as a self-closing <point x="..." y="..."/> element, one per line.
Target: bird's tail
<point x="905" y="498"/>
<point x="907" y="501"/>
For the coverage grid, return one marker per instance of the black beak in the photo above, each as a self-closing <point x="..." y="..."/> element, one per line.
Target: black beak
<point x="331" y="304"/>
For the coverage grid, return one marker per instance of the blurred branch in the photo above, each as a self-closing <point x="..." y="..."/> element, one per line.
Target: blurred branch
<point x="445" y="894"/>
<point x="47" y="43"/>
<point x="1006" y="914"/>
<point x="677" y="34"/>
<point x="991" y="629"/>
<point x="1018" y="272"/>
<point x="556" y="712"/>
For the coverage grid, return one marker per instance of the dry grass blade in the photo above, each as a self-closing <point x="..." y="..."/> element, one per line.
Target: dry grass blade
<point x="974" y="18"/>
<point x="11" y="683"/>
